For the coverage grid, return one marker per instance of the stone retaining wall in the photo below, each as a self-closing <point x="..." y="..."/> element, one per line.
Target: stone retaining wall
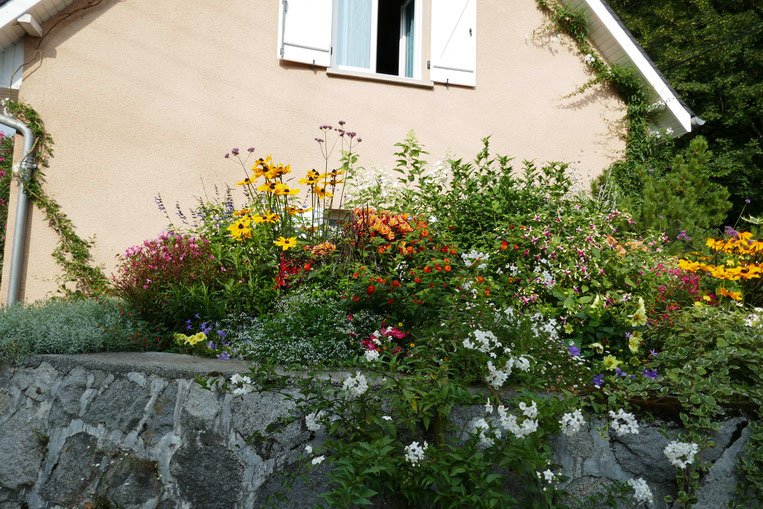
<point x="134" y="430"/>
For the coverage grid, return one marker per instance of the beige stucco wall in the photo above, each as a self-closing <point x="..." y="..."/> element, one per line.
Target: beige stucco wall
<point x="145" y="96"/>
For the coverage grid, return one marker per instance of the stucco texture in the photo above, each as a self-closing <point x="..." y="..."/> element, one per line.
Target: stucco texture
<point x="144" y="97"/>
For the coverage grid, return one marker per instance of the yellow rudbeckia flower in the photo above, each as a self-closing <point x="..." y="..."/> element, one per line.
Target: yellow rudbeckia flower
<point x="285" y="243"/>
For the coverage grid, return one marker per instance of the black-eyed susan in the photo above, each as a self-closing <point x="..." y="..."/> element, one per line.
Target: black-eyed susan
<point x="240" y="230"/>
<point x="295" y="210"/>
<point x="321" y="192"/>
<point x="285" y="243"/>
<point x="269" y="187"/>
<point x="312" y="177"/>
<point x="283" y="189"/>
<point x="270" y="217"/>
<point x="242" y="212"/>
<point x="247" y="181"/>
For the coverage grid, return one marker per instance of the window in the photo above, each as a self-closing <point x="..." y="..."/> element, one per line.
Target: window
<point x="382" y="37"/>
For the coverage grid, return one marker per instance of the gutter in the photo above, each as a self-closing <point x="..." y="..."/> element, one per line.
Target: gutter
<point x="19" y="233"/>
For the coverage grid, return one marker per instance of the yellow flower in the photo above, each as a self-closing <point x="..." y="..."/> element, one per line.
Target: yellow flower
<point x="321" y="192"/>
<point x="246" y="181"/>
<point x="270" y="217"/>
<point x="283" y="189"/>
<point x="242" y="212"/>
<point x="312" y="177"/>
<point x="726" y="293"/>
<point x="295" y="210"/>
<point x="269" y="187"/>
<point x="610" y="362"/>
<point x="240" y="229"/>
<point x="633" y="343"/>
<point x="597" y="346"/>
<point x="181" y="339"/>
<point x="192" y="340"/>
<point x="285" y="243"/>
<point x="638" y="319"/>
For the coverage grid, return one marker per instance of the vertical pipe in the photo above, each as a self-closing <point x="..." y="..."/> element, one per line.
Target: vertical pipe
<point x="19" y="232"/>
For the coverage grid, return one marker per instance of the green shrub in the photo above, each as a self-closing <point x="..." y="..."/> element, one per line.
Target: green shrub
<point x="70" y="327"/>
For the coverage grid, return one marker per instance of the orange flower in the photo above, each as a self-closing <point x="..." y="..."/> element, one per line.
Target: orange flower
<point x="427" y="269"/>
<point x="447" y="268"/>
<point x="355" y="275"/>
<point x="371" y="289"/>
<point x="487" y="292"/>
<point x="355" y="298"/>
<point x="480" y="279"/>
<point x="504" y="245"/>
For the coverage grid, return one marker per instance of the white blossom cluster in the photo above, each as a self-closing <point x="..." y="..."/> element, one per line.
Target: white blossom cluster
<point x="414" y="453"/>
<point x="242" y="384"/>
<point x="482" y="342"/>
<point x="483" y="431"/>
<point x="755" y="320"/>
<point x="472" y="256"/>
<point x="681" y="454"/>
<point x="318" y="460"/>
<point x="511" y="423"/>
<point x="312" y="420"/>
<point x="355" y="385"/>
<point x="641" y="492"/>
<point x="623" y="423"/>
<point x="572" y="422"/>
<point x="545" y="328"/>
<point x="372" y="355"/>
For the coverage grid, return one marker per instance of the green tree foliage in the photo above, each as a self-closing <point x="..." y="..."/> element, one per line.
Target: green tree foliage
<point x="711" y="51"/>
<point x="684" y="198"/>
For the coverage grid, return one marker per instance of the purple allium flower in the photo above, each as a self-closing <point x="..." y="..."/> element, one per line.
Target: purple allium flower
<point x="731" y="232"/>
<point x="234" y="151"/>
<point x="650" y="373"/>
<point x="747" y="201"/>
<point x="574" y="351"/>
<point x="598" y="380"/>
<point x="227" y="156"/>
<point x="319" y="140"/>
<point x="250" y="149"/>
<point x="653" y="353"/>
<point x="360" y="139"/>
<point x="224" y="356"/>
<point x="341" y="122"/>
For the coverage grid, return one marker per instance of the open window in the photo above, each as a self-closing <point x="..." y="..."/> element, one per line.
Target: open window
<point x="381" y="37"/>
<point x="378" y="36"/>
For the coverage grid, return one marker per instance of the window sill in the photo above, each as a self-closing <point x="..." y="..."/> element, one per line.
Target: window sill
<point x="388" y="78"/>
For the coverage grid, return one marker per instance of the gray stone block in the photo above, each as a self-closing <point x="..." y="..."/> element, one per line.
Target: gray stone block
<point x="67" y="401"/>
<point x="207" y="474"/>
<point x="131" y="483"/>
<point x="22" y="449"/>
<point x="720" y="483"/>
<point x="74" y="475"/>
<point x="161" y="416"/>
<point x="119" y="407"/>
<point x="642" y="455"/>
<point x="254" y="412"/>
<point x="200" y="408"/>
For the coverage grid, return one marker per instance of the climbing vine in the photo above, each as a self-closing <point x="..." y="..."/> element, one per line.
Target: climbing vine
<point x="639" y="145"/>
<point x="72" y="253"/>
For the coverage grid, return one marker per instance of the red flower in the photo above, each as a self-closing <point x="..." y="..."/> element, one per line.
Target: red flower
<point x="396" y="283"/>
<point x="480" y="279"/>
<point x="371" y="289"/>
<point x="453" y="252"/>
<point x="356" y="275"/>
<point x="447" y="268"/>
<point x="487" y="292"/>
<point x="427" y="269"/>
<point x="355" y="298"/>
<point x="504" y="245"/>
<point x="307" y="266"/>
<point x="417" y="279"/>
<point x="389" y="300"/>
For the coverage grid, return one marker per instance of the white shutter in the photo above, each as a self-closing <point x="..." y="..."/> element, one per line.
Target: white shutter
<point x="453" y="56"/>
<point x="304" y="31"/>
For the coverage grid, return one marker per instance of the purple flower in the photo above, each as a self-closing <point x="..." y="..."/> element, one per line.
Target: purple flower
<point x="650" y="373"/>
<point x="227" y="156"/>
<point x="234" y="151"/>
<point x="598" y="380"/>
<point x="731" y="232"/>
<point x="341" y="122"/>
<point x="620" y="372"/>
<point x="683" y="236"/>
<point x="747" y="201"/>
<point x="653" y="353"/>
<point x="574" y="351"/>
<point x="221" y="333"/>
<point x="651" y="170"/>
<point x="250" y="149"/>
<point x="224" y="356"/>
<point x="211" y="345"/>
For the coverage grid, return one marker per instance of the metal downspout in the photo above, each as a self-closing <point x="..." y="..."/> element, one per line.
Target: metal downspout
<point x="19" y="232"/>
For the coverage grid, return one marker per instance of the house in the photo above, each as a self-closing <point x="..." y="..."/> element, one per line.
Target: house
<point x="143" y="97"/>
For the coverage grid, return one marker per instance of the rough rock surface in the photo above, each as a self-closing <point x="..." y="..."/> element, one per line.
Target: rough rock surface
<point x="136" y="431"/>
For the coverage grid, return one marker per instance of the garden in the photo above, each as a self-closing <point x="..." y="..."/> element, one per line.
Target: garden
<point x="462" y="283"/>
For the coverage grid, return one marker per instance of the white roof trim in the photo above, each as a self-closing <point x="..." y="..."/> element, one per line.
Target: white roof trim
<point x="14" y="10"/>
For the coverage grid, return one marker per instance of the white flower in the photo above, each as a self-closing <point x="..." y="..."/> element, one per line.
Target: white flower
<point x="549" y="476"/>
<point x="372" y="355"/>
<point x="309" y="449"/>
<point x="355" y="385"/>
<point x="489" y="407"/>
<point x="243" y="384"/>
<point x="589" y="59"/>
<point x="311" y="420"/>
<point x="528" y="426"/>
<point x="529" y="411"/>
<point x="669" y="131"/>
<point x="571" y="422"/>
<point x="414" y="453"/>
<point x="318" y="460"/>
<point x="641" y="491"/>
<point x="681" y="454"/>
<point x="496" y="377"/>
<point x="386" y="418"/>
<point x="623" y="423"/>
<point x="522" y="363"/>
<point x="481" y="428"/>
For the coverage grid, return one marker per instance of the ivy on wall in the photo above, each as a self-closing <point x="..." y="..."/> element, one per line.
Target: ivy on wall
<point x="72" y="253"/>
<point x="624" y="80"/>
